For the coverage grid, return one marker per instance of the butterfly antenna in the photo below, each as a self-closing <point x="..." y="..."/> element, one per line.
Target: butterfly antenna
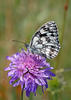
<point x="18" y="41"/>
<point x="26" y="45"/>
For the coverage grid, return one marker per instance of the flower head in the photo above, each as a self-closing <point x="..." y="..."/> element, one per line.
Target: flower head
<point x="29" y="70"/>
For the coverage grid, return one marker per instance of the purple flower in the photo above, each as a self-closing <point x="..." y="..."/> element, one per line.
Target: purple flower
<point x="29" y="70"/>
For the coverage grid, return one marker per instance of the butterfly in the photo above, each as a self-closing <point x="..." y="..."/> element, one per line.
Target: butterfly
<point x="45" y="41"/>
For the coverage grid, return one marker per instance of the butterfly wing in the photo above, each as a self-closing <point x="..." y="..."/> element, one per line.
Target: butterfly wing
<point x="45" y="41"/>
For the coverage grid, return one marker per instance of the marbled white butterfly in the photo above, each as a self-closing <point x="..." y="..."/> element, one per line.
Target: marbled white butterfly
<point x="45" y="41"/>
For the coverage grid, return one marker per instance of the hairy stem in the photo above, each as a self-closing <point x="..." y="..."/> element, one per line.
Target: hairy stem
<point x="22" y="94"/>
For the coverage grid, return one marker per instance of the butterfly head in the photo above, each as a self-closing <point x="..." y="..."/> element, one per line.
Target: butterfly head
<point x="27" y="45"/>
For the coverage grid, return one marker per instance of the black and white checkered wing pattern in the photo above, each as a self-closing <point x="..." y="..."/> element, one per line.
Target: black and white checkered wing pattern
<point x="45" y="41"/>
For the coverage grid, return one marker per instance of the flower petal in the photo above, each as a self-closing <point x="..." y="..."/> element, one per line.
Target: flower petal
<point x="29" y="70"/>
<point x="10" y="73"/>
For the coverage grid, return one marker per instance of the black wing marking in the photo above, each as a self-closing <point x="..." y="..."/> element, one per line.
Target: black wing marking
<point x="45" y="41"/>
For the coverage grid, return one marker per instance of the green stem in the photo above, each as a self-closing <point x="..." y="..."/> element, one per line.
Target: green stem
<point x="31" y="97"/>
<point x="62" y="35"/>
<point x="22" y="94"/>
<point x="64" y="20"/>
<point x="55" y="96"/>
<point x="59" y="58"/>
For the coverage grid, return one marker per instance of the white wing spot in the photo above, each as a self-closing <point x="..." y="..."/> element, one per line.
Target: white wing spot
<point x="35" y="39"/>
<point x="39" y="46"/>
<point x="42" y="31"/>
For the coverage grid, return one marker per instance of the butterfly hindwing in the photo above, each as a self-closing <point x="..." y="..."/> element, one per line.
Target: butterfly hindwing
<point x="45" y="41"/>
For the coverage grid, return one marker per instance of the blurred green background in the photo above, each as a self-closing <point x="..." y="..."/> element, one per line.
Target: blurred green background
<point x="19" y="19"/>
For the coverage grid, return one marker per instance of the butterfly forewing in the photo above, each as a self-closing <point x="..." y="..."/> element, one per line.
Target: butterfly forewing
<point x="45" y="41"/>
